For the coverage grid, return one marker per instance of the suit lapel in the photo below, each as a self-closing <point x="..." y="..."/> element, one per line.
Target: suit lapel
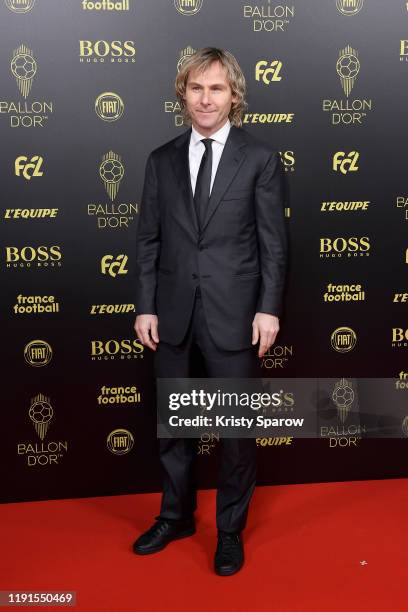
<point x="231" y="159"/>
<point x="181" y="166"/>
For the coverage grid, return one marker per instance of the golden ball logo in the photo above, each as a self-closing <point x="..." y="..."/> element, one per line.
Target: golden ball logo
<point x="348" y="67"/>
<point x="120" y="441"/>
<point x="38" y="353"/>
<point x="41" y="413"/>
<point x="185" y="54"/>
<point x="109" y="106"/>
<point x="111" y="172"/>
<point x="343" y="339"/>
<point x="23" y="67"/>
<point x="343" y="397"/>
<point x="42" y="453"/>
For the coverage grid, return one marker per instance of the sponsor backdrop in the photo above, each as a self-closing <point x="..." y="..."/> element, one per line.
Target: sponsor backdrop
<point x="87" y="92"/>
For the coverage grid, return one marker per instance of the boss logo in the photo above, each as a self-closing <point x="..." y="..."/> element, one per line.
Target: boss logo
<point x="345" y="245"/>
<point x="103" y="48"/>
<point x="404" y="46"/>
<point x="288" y="159"/>
<point x="121" y="349"/>
<point x="28" y="254"/>
<point x="399" y="334"/>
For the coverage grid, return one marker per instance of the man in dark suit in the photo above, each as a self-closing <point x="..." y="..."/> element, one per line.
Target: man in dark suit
<point x="211" y="257"/>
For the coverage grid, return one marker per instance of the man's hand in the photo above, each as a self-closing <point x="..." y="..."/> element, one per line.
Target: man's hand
<point x="264" y="328"/>
<point x="146" y="328"/>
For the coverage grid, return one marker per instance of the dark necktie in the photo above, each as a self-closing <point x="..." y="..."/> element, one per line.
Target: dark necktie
<point x="203" y="184"/>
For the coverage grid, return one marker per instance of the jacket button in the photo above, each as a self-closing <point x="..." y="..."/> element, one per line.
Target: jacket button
<point x="194" y="275"/>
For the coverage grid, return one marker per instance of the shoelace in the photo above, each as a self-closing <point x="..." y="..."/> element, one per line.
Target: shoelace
<point x="159" y="527"/>
<point x="228" y="541"/>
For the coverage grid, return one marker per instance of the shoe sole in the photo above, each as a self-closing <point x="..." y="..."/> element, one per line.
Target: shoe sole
<point x="180" y="536"/>
<point x="230" y="572"/>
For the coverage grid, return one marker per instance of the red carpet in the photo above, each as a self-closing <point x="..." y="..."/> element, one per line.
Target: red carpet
<point x="309" y="548"/>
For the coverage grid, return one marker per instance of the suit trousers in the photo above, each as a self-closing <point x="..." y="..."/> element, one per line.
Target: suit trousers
<point x="237" y="458"/>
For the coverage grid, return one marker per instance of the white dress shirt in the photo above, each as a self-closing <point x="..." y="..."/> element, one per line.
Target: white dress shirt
<point x="196" y="151"/>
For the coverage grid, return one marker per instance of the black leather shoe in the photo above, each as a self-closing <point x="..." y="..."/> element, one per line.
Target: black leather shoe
<point x="229" y="556"/>
<point x="162" y="533"/>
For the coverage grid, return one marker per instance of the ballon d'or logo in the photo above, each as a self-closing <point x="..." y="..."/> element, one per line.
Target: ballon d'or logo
<point x="111" y="172"/>
<point x="343" y="397"/>
<point x="184" y="55"/>
<point x="348" y="67"/>
<point x="24" y="67"/>
<point x="41" y="413"/>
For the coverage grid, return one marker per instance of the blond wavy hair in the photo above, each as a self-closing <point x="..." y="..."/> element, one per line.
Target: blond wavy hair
<point x="200" y="61"/>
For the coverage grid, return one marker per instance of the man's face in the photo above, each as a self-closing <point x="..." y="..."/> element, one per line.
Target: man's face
<point x="208" y="98"/>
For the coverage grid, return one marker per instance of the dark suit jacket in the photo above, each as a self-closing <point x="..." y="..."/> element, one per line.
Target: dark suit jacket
<point x="239" y="257"/>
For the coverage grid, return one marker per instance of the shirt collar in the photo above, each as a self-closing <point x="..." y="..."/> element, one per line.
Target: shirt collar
<point x="220" y="135"/>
